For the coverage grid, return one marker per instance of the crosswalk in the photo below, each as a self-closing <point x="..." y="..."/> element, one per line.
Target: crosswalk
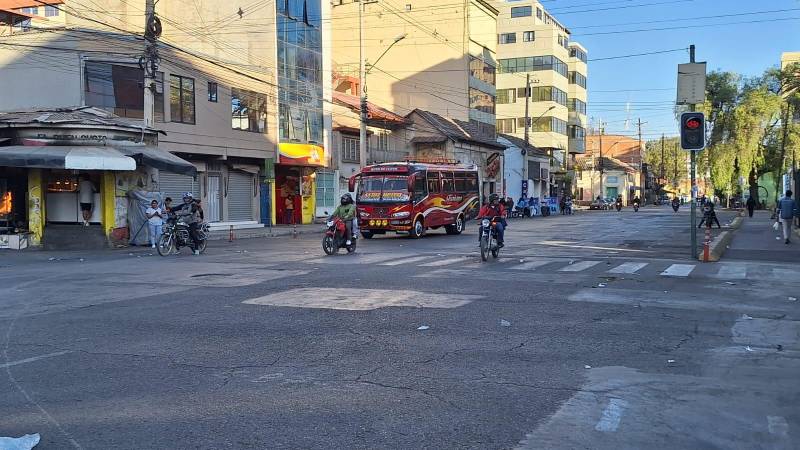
<point x="568" y="267"/>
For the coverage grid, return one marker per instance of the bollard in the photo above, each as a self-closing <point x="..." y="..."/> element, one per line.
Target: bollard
<point x="294" y="231"/>
<point x="707" y="244"/>
<point x="230" y="234"/>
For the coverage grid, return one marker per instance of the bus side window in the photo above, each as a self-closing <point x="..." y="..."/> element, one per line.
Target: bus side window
<point x="420" y="187"/>
<point x="472" y="182"/>
<point x="433" y="183"/>
<point x="448" y="185"/>
<point x="461" y="182"/>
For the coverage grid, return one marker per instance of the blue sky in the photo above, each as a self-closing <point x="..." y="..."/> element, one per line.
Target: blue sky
<point x="746" y="48"/>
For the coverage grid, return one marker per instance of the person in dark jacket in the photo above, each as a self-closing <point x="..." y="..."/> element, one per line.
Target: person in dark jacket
<point x="751" y="205"/>
<point x="709" y="216"/>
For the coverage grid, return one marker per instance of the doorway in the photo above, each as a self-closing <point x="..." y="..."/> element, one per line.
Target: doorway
<point x="287" y="187"/>
<point x="214" y="198"/>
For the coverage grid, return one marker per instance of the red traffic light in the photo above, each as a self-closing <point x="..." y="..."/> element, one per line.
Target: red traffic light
<point x="693" y="124"/>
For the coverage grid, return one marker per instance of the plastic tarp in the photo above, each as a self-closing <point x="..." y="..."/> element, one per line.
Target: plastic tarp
<point x="138" y="202"/>
<point x="160" y="159"/>
<point x="65" y="157"/>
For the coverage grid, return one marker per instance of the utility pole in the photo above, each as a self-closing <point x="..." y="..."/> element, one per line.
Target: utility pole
<point x="362" y="85"/>
<point x="527" y="126"/>
<point x="600" y="161"/>
<point x="675" y="179"/>
<point x="693" y="169"/>
<point x="149" y="62"/>
<point x="663" y="173"/>
<point x="639" y="124"/>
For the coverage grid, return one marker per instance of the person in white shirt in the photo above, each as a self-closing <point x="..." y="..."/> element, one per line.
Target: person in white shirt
<point x="86" y="192"/>
<point x="155" y="220"/>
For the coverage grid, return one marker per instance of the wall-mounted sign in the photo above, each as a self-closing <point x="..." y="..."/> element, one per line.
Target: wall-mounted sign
<point x="301" y="154"/>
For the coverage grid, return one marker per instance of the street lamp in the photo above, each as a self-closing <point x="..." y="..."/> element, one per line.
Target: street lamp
<point x="362" y="136"/>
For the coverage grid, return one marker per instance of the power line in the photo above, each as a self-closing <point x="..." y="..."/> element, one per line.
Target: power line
<point x="683" y="27"/>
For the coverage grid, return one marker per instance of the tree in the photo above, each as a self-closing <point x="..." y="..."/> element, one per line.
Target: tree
<point x="671" y="168"/>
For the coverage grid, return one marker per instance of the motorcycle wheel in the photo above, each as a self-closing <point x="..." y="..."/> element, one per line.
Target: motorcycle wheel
<point x="484" y="248"/>
<point x="165" y="245"/>
<point x="352" y="247"/>
<point x="495" y="251"/>
<point x="329" y="246"/>
<point x="203" y="245"/>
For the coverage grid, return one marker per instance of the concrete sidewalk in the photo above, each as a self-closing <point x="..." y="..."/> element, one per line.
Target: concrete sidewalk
<point x="756" y="240"/>
<point x="274" y="231"/>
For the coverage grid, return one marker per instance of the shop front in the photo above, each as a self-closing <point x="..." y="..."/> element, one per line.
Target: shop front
<point x="295" y="182"/>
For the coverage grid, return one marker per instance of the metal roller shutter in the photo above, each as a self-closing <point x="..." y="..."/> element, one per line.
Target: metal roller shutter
<point x="240" y="196"/>
<point x="174" y="185"/>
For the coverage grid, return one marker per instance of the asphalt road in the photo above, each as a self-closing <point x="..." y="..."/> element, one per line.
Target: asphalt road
<point x="591" y="331"/>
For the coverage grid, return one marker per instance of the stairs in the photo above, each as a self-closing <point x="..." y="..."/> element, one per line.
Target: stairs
<point x="74" y="237"/>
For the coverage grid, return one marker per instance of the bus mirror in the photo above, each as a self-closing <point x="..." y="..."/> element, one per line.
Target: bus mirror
<point x="411" y="179"/>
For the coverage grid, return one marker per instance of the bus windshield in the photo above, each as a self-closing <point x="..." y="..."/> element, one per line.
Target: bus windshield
<point x="382" y="188"/>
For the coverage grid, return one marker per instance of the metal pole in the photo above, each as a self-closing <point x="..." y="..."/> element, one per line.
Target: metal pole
<point x="149" y="65"/>
<point x="600" y="161"/>
<point x="362" y="135"/>
<point x="527" y="126"/>
<point x="693" y="165"/>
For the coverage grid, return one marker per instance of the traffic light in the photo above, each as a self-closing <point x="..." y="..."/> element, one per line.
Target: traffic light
<point x="693" y="131"/>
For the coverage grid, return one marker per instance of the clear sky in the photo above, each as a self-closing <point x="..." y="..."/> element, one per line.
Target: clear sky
<point x="751" y="45"/>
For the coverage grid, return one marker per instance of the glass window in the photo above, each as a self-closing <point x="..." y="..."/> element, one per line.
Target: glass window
<point x="481" y="101"/>
<point x="50" y="11"/>
<point x="118" y="89"/>
<point x="528" y="36"/>
<point x="248" y="110"/>
<point x="577" y="106"/>
<point x="383" y="188"/>
<point x="575" y="52"/>
<point x="350" y="149"/>
<point x="212" y="91"/>
<point x="420" y="186"/>
<point x="433" y="183"/>
<point x="461" y="182"/>
<point x="181" y="99"/>
<point x="539" y="13"/>
<point x="577" y="78"/>
<point x="507" y="38"/>
<point x="576" y="132"/>
<point x="448" y="183"/>
<point x="31" y="10"/>
<point x="506" y="96"/>
<point x="482" y="71"/>
<point x="505" y="125"/>
<point x="521" y="11"/>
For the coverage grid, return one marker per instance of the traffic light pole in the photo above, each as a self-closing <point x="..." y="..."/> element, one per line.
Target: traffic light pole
<point x="693" y="168"/>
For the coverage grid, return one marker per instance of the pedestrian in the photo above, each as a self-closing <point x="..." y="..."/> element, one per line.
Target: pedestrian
<point x="709" y="216"/>
<point x="167" y="210"/>
<point x="289" y="209"/>
<point x="751" y="205"/>
<point x="787" y="209"/>
<point x="155" y="221"/>
<point x="86" y="192"/>
<point x="562" y="204"/>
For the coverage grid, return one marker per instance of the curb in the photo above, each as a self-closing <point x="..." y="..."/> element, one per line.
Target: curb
<point x="720" y="243"/>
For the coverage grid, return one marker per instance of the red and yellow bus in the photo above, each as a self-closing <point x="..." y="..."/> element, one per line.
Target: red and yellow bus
<point x="412" y="197"/>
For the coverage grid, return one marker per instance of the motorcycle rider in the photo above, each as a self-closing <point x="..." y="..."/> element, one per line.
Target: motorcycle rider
<point x="190" y="213"/>
<point x="347" y="212"/>
<point x="494" y="209"/>
<point x="636" y="201"/>
<point x="619" y="201"/>
<point x="676" y="203"/>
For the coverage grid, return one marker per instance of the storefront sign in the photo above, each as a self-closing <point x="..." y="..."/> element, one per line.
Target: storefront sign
<point x="525" y="188"/>
<point x="492" y="165"/>
<point x="301" y="154"/>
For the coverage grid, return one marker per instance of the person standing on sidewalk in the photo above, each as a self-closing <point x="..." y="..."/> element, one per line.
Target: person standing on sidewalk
<point x="289" y="209"/>
<point x="155" y="221"/>
<point x="751" y="205"/>
<point x="786" y="212"/>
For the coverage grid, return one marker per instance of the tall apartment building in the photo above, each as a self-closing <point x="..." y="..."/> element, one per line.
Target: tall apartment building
<point x="531" y="42"/>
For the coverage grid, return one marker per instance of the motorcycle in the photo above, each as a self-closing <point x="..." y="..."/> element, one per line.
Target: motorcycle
<point x="176" y="235"/>
<point x="336" y="237"/>
<point x="568" y="207"/>
<point x="619" y="206"/>
<point x="635" y="207"/>
<point x="675" y="206"/>
<point x="488" y="233"/>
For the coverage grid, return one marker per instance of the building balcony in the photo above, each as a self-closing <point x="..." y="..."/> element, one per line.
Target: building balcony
<point x="576" y="118"/>
<point x="577" y="146"/>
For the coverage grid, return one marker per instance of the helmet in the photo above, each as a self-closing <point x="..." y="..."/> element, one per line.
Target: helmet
<point x="188" y="195"/>
<point x="346" y="199"/>
<point x="493" y="198"/>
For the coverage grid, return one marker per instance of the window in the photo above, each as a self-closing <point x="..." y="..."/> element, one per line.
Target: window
<point x="532" y="64"/>
<point x="448" y="183"/>
<point x="547" y="19"/>
<point x="248" y="111"/>
<point x="433" y="183"/>
<point x="32" y="10"/>
<point x="539" y="13"/>
<point x="383" y="141"/>
<point x="326" y="193"/>
<point x="577" y="106"/>
<point x="482" y="71"/>
<point x="118" y="89"/>
<point x="506" y="126"/>
<point x="575" y="52"/>
<point x="181" y="99"/>
<point x="563" y="41"/>
<point x="528" y="36"/>
<point x="576" y="132"/>
<point x="50" y="11"/>
<point x="521" y="122"/>
<point x="521" y="11"/>
<point x="550" y="125"/>
<point x="420" y="185"/>
<point x="577" y="78"/>
<point x="507" y="38"/>
<point x="612" y="179"/>
<point x="481" y="101"/>
<point x="461" y="182"/>
<point x="350" y="149"/>
<point x="212" y="91"/>
<point x="506" y="96"/>
<point x="548" y="94"/>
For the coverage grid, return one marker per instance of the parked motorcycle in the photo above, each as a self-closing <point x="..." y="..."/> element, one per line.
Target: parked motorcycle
<point x="176" y="235"/>
<point x="336" y="237"/>
<point x="488" y="233"/>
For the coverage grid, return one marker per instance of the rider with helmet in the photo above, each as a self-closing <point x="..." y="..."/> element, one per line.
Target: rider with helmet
<point x="494" y="209"/>
<point x="347" y="212"/>
<point x="190" y="213"/>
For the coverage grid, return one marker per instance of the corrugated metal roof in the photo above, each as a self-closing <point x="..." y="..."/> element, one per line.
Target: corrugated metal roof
<point x="457" y="129"/>
<point x="80" y="115"/>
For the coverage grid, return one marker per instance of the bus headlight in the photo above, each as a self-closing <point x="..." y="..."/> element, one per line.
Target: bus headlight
<point x="372" y="222"/>
<point x="401" y="214"/>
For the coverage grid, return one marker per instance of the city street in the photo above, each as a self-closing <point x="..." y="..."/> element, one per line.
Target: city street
<point x="595" y="330"/>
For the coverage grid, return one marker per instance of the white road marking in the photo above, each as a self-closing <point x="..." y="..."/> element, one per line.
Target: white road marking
<point x="398" y="262"/>
<point x="612" y="415"/>
<point x="360" y="299"/>
<point x="32" y="359"/>
<point x="732" y="272"/>
<point x="778" y="426"/>
<point x="628" y="267"/>
<point x="579" y="266"/>
<point x="443" y="262"/>
<point x="531" y="265"/>
<point x="678" y="270"/>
